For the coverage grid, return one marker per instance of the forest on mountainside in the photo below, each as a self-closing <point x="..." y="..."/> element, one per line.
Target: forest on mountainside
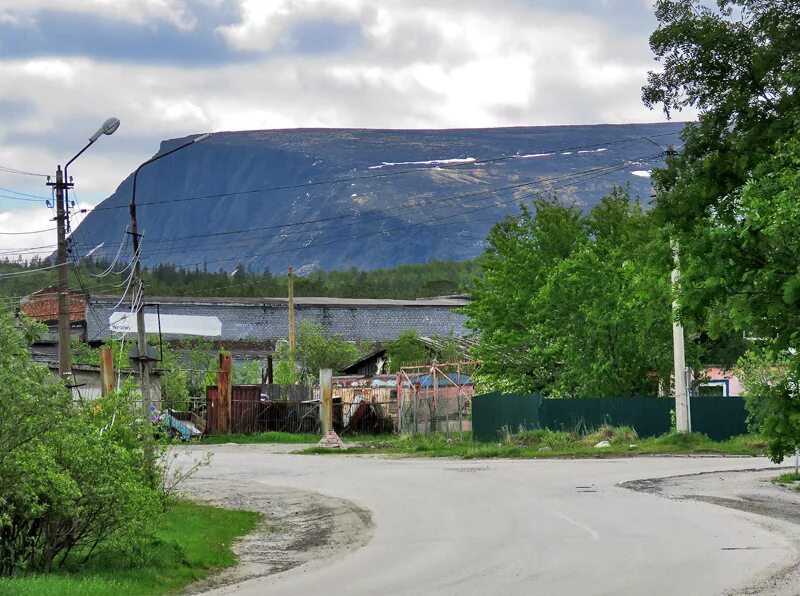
<point x="434" y="278"/>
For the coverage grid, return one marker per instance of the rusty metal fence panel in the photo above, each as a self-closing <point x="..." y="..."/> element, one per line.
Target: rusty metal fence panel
<point x="292" y="409"/>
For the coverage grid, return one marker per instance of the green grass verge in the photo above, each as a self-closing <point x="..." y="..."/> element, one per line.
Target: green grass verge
<point x="191" y="542"/>
<point x="265" y="437"/>
<point x="548" y="444"/>
<point x="281" y="437"/>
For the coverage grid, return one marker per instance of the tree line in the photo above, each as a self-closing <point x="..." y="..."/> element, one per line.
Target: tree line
<point x="434" y="278"/>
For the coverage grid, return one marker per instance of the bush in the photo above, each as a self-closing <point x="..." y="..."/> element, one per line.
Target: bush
<point x="72" y="476"/>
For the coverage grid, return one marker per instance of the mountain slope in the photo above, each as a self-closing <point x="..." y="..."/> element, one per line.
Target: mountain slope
<point x="340" y="198"/>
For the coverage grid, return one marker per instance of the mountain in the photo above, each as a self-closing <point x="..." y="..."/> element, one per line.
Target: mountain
<point x="341" y="198"/>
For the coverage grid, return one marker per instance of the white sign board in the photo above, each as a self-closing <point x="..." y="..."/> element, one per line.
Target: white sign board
<point x="125" y="322"/>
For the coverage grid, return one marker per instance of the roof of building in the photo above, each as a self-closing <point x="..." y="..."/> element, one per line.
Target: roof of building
<point x="433" y="344"/>
<point x="43" y="305"/>
<point x="450" y="302"/>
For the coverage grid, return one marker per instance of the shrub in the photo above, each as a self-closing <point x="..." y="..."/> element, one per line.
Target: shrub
<point x="72" y="476"/>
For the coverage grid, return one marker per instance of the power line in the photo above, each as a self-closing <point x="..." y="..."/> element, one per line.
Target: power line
<point x="405" y="227"/>
<point x="27" y="271"/>
<point x="9" y="170"/>
<point x="24" y="233"/>
<point x="574" y="178"/>
<point x="22" y="199"/>
<point x="541" y="153"/>
<point x="23" y="194"/>
<point x="412" y="202"/>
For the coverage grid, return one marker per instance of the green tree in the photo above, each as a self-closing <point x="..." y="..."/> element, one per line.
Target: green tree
<point x="730" y="196"/>
<point x="247" y="373"/>
<point x="406" y="350"/>
<point x="573" y="305"/>
<point x="314" y="351"/>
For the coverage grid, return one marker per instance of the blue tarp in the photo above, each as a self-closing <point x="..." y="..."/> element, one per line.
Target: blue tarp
<point x="455" y="379"/>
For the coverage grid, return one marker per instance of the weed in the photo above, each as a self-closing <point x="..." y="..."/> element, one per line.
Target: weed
<point x="787" y="478"/>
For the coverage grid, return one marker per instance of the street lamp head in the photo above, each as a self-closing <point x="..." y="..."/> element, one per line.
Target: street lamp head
<point x="108" y="128"/>
<point x="202" y="137"/>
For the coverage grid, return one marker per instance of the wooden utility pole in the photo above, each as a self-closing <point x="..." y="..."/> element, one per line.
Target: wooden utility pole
<point x="291" y="324"/>
<point x="326" y="399"/>
<point x="224" y="393"/>
<point x="106" y="371"/>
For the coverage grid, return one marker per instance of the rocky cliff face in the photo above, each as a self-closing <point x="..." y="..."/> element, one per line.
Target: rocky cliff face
<point x="341" y="198"/>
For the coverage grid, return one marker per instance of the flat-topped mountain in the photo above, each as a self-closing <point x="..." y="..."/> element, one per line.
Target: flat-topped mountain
<point x="341" y="198"/>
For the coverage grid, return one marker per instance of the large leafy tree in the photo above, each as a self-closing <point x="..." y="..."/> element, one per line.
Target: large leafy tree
<point x="574" y="305"/>
<point x="730" y="196"/>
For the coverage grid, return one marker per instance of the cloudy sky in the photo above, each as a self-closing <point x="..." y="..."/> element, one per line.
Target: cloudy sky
<point x="169" y="68"/>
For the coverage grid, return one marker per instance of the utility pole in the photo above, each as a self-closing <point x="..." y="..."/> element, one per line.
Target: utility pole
<point x="682" y="422"/>
<point x="291" y="324"/>
<point x="61" y="185"/>
<point x="62" y="286"/>
<point x="137" y="300"/>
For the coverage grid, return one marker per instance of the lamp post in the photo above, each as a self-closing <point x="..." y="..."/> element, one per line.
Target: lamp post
<point x="137" y="299"/>
<point x="62" y="184"/>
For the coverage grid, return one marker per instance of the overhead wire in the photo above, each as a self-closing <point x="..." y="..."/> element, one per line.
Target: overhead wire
<point x="574" y="178"/>
<point x="381" y="213"/>
<point x="379" y="232"/>
<point x="26" y="233"/>
<point x="443" y="166"/>
<point x="10" y="170"/>
<point x="23" y="194"/>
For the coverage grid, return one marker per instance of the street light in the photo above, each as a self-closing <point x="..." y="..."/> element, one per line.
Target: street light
<point x="137" y="298"/>
<point x="62" y="185"/>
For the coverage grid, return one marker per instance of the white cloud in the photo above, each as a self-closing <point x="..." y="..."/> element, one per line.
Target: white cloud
<point x="139" y="12"/>
<point x="26" y="220"/>
<point x="21" y="222"/>
<point x="420" y="64"/>
<point x="264" y="24"/>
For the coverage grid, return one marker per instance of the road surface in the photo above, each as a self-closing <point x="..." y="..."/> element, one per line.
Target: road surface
<point x="448" y="527"/>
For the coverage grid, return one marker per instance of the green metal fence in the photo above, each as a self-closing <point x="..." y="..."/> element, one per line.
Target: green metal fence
<point x="718" y="417"/>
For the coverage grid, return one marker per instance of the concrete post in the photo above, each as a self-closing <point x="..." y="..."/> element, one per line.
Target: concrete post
<point x="326" y="396"/>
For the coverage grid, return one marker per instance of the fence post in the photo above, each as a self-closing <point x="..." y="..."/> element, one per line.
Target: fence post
<point x="224" y="392"/>
<point x="106" y="371"/>
<point x="326" y="399"/>
<point x="399" y="384"/>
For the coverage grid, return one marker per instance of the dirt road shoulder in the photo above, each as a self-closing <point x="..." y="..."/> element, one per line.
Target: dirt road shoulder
<point x="298" y="527"/>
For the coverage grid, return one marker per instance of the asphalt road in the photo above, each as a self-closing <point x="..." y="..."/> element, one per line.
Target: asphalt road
<point x="515" y="527"/>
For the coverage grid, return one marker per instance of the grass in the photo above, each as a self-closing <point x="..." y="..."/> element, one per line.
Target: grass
<point x="787" y="478"/>
<point x="265" y="437"/>
<point x="623" y="441"/>
<point x="280" y="437"/>
<point x="191" y="542"/>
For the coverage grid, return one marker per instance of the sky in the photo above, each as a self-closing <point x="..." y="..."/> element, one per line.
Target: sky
<point x="169" y="68"/>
